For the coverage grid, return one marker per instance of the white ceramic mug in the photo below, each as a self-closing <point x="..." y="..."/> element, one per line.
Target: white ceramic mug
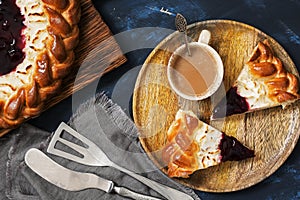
<point x="198" y="76"/>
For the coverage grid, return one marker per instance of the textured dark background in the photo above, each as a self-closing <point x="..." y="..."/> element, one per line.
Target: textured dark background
<point x="277" y="18"/>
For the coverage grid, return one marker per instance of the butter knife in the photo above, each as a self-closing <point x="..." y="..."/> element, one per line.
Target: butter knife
<point x="70" y="180"/>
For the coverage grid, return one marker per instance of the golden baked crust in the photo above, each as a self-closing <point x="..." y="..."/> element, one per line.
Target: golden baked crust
<point x="51" y="63"/>
<point x="262" y="83"/>
<point x="179" y="154"/>
<point x="282" y="85"/>
<point x="193" y="145"/>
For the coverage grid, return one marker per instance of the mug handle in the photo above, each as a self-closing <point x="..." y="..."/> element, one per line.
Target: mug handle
<point x="204" y="37"/>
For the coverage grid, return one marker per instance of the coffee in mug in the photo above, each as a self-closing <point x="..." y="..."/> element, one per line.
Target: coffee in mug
<point x="198" y="76"/>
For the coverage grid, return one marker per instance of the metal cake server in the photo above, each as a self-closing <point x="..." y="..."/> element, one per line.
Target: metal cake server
<point x="72" y="180"/>
<point x="92" y="155"/>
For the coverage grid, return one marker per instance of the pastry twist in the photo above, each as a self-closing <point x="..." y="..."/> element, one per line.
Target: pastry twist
<point x="282" y="85"/>
<point x="51" y="64"/>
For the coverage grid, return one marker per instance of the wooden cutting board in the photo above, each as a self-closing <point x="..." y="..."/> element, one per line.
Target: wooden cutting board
<point x="272" y="133"/>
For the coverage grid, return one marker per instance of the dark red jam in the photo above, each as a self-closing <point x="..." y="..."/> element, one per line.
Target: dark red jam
<point x="233" y="150"/>
<point x="11" y="40"/>
<point x="233" y="103"/>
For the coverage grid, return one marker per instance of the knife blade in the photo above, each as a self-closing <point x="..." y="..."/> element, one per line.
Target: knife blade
<point x="70" y="180"/>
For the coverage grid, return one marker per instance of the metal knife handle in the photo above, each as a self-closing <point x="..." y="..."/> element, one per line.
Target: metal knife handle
<point x="164" y="190"/>
<point x="133" y="195"/>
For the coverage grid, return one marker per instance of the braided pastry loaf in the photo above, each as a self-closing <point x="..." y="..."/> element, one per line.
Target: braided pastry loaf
<point x="262" y="83"/>
<point x="41" y="37"/>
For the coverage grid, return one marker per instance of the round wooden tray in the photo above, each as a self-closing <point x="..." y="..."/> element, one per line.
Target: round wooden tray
<point x="272" y="133"/>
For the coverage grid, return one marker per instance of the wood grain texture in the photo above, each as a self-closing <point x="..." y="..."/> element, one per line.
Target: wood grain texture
<point x="272" y="133"/>
<point x="96" y="54"/>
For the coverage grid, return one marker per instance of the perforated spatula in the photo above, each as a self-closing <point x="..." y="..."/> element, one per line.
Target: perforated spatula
<point x="92" y="155"/>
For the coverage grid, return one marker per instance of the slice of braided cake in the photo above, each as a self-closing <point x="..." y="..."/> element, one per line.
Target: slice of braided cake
<point x="193" y="145"/>
<point x="263" y="83"/>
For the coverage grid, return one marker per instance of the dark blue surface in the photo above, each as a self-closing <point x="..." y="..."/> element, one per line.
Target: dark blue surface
<point x="277" y="18"/>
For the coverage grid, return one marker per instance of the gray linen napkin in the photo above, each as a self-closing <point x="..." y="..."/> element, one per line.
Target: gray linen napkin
<point x="101" y="121"/>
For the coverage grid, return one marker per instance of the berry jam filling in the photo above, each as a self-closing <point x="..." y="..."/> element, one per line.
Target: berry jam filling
<point x="11" y="41"/>
<point x="233" y="103"/>
<point x="233" y="150"/>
